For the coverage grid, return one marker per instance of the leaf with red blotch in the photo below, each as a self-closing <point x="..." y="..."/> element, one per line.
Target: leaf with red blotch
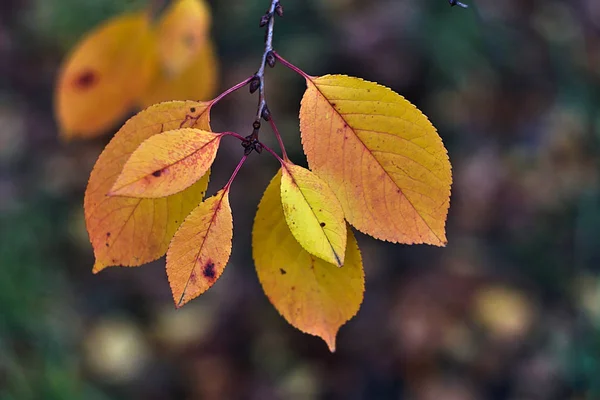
<point x="168" y="163"/>
<point x="104" y="75"/>
<point x="200" y="249"/>
<point x="127" y="231"/>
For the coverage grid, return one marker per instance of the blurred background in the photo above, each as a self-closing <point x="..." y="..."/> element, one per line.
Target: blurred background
<point x="510" y="309"/>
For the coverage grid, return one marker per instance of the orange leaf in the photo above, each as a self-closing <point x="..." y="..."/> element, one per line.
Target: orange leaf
<point x="104" y="75"/>
<point x="311" y="294"/>
<point x="197" y="81"/>
<point x="182" y="34"/>
<point x="381" y="156"/>
<point x="128" y="231"/>
<point x="168" y="163"/>
<point x="200" y="249"/>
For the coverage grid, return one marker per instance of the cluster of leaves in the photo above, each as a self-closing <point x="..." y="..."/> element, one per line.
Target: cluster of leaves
<point x="376" y="163"/>
<point x="136" y="60"/>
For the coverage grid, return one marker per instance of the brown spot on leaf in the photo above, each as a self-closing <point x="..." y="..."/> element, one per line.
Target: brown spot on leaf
<point x="283" y="271"/>
<point x="86" y="79"/>
<point x="193" y="109"/>
<point x="209" y="270"/>
<point x="158" y="173"/>
<point x="322" y="224"/>
<point x="107" y="234"/>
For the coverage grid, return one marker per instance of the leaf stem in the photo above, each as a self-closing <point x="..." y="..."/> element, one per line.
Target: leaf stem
<point x="235" y="172"/>
<point x="275" y="154"/>
<point x="292" y="66"/>
<point x="279" y="139"/>
<point x="231" y="90"/>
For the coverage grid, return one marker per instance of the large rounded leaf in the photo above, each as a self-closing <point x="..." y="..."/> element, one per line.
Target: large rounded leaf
<point x="129" y="231"/>
<point x="381" y="156"/>
<point x="313" y="295"/>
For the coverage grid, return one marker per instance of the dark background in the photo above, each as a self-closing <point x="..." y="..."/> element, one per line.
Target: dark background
<point x="510" y="309"/>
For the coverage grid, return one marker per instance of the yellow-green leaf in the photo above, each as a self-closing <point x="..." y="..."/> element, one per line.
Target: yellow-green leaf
<point x="129" y="231"/>
<point x="102" y="78"/>
<point x="381" y="156"/>
<point x="313" y="295"/>
<point x="313" y="214"/>
<point x="200" y="249"/>
<point x="167" y="163"/>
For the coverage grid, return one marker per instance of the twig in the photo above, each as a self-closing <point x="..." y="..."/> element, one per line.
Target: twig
<point x="457" y="3"/>
<point x="267" y="59"/>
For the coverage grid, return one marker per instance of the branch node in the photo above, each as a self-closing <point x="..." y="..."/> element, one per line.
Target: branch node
<point x="271" y="59"/>
<point x="254" y="84"/>
<point x="279" y="9"/>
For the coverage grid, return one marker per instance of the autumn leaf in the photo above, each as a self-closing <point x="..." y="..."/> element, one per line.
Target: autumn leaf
<point x="200" y="249"/>
<point x="129" y="231"/>
<point x="381" y="156"/>
<point x="313" y="214"/>
<point x="198" y="81"/>
<point x="182" y="33"/>
<point x="168" y="163"/>
<point x="313" y="295"/>
<point x="104" y="76"/>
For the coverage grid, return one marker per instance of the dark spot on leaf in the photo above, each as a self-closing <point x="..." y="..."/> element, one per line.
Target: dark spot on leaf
<point x="293" y="287"/>
<point x="107" y="234"/>
<point x="209" y="270"/>
<point x="283" y="271"/>
<point x="333" y="104"/>
<point x="86" y="79"/>
<point x="322" y="224"/>
<point x="193" y="109"/>
<point x="107" y="245"/>
<point x="157" y="173"/>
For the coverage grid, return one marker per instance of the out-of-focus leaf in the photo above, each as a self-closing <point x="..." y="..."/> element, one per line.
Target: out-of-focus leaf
<point x="104" y="76"/>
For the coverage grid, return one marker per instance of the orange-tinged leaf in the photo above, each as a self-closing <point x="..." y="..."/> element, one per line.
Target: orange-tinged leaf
<point x="167" y="163"/>
<point x="198" y="81"/>
<point x="129" y="231"/>
<point x="313" y="214"/>
<point x="381" y="156"/>
<point x="313" y="295"/>
<point x="182" y="33"/>
<point x="104" y="75"/>
<point x="200" y="249"/>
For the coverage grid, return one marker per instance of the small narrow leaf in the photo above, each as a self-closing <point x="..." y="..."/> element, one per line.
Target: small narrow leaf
<point x="200" y="249"/>
<point x="168" y="163"/>
<point x="129" y="231"/>
<point x="313" y="295"/>
<point x="381" y="156"/>
<point x="313" y="214"/>
<point x="102" y="78"/>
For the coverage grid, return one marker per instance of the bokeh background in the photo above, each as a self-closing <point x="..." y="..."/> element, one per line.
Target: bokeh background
<point x="510" y="309"/>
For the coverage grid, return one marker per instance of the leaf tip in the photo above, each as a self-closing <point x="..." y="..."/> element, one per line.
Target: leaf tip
<point x="330" y="341"/>
<point x="98" y="266"/>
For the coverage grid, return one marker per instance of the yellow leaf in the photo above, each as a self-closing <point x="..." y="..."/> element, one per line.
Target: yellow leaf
<point x="200" y="249"/>
<point x="128" y="231"/>
<point x="182" y="34"/>
<point x="381" y="156"/>
<point x="313" y="295"/>
<point x="104" y="76"/>
<point x="198" y="81"/>
<point x="313" y="214"/>
<point x="168" y="163"/>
